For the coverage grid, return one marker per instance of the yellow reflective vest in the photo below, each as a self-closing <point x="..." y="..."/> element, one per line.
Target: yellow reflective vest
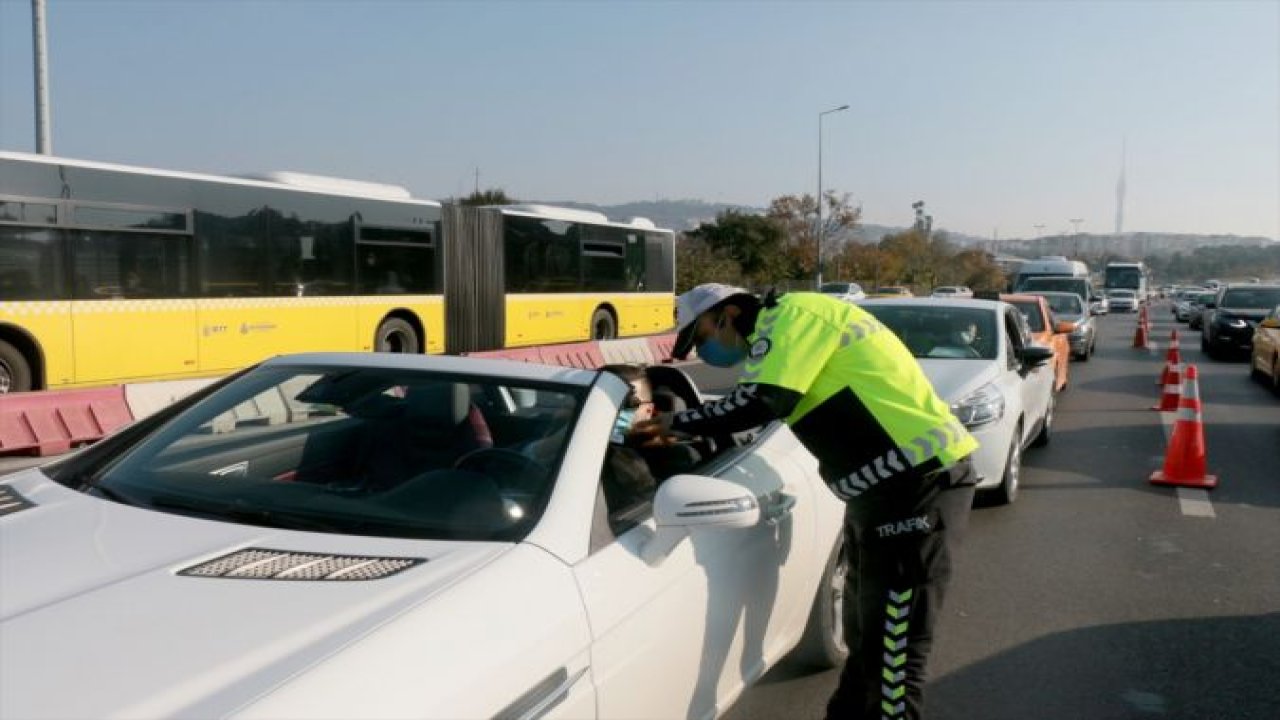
<point x="867" y="411"/>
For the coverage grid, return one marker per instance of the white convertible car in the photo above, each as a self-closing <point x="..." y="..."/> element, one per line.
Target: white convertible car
<point x="369" y="536"/>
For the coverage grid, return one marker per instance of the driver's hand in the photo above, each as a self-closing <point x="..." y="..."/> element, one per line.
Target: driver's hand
<point x="655" y="427"/>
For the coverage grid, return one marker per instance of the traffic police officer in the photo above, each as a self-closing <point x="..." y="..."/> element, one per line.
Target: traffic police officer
<point x="886" y="445"/>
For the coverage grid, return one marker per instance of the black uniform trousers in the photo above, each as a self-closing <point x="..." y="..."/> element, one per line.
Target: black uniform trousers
<point x="899" y="543"/>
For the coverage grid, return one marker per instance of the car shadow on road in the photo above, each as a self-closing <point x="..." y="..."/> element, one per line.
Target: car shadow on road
<point x="1192" y="669"/>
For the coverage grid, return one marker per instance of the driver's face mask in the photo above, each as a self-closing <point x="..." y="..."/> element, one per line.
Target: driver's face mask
<point x="621" y="426"/>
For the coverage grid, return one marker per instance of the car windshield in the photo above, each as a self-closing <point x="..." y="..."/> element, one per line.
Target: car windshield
<point x="1031" y="311"/>
<point x="365" y="451"/>
<point x="1261" y="298"/>
<point x="1058" y="283"/>
<point x="939" y="331"/>
<point x="1065" y="304"/>
<point x="836" y="288"/>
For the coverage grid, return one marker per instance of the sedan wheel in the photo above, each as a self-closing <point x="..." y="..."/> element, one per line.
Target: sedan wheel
<point x="1008" y="490"/>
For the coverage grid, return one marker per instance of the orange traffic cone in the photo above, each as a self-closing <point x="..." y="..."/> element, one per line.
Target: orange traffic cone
<point x="1172" y="357"/>
<point x="1172" y="394"/>
<point x="1140" y="336"/>
<point x="1184" y="463"/>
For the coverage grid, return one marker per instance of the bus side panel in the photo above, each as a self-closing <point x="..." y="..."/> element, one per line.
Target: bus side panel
<point x="48" y="323"/>
<point x="557" y="318"/>
<point x="238" y="332"/>
<point x="645" y="314"/>
<point x="429" y="309"/>
<point x="549" y="318"/>
<point x="124" y="339"/>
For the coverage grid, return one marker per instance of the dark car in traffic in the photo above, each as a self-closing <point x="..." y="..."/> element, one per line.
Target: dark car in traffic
<point x="1229" y="325"/>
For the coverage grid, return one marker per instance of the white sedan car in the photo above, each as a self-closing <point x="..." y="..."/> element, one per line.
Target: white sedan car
<point x="846" y="291"/>
<point x="981" y="359"/>
<point x="361" y="536"/>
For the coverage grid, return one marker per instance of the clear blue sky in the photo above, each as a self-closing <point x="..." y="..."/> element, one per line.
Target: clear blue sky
<point x="998" y="115"/>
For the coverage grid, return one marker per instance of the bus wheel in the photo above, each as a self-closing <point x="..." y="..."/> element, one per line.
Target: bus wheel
<point x="603" y="326"/>
<point x="15" y="371"/>
<point x="396" y="336"/>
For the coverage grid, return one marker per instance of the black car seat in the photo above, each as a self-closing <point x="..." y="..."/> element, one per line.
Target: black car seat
<point x="438" y="425"/>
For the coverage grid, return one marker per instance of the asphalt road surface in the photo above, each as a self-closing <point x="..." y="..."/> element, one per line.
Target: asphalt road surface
<point x="1098" y="595"/>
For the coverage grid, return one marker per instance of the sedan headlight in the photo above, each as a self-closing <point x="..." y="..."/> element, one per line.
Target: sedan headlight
<point x="982" y="406"/>
<point x="1233" y="322"/>
<point x="1078" y="331"/>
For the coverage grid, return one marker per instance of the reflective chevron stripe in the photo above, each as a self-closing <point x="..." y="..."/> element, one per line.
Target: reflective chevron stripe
<point x="926" y="447"/>
<point x="733" y="401"/>
<point x="860" y="329"/>
<point x="893" y="686"/>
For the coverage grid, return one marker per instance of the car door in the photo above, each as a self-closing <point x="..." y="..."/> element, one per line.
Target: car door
<point x="1037" y="383"/>
<point x="679" y="638"/>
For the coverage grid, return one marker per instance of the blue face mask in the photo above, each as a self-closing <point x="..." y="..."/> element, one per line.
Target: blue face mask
<point x="622" y="425"/>
<point x="713" y="352"/>
<point x="717" y="354"/>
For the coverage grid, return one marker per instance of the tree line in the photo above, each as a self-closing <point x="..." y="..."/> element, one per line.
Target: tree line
<point x="780" y="249"/>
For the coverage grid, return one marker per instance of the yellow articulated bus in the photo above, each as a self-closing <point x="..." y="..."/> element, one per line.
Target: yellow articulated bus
<point x="112" y="274"/>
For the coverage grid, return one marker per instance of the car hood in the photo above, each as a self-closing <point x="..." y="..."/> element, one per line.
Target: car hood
<point x="954" y="379"/>
<point x="96" y="619"/>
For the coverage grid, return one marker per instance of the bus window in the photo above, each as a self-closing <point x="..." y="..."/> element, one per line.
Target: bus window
<point x="604" y="259"/>
<point x="233" y="255"/>
<point x="658" y="251"/>
<point x="30" y="264"/>
<point x="110" y="265"/>
<point x="311" y="258"/>
<point x="396" y="261"/>
<point x="540" y="255"/>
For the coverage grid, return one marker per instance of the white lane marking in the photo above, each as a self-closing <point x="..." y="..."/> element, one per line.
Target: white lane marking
<point x="1167" y="419"/>
<point x="1195" y="502"/>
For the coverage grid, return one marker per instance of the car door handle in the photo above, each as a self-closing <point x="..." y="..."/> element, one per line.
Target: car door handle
<point x="778" y="507"/>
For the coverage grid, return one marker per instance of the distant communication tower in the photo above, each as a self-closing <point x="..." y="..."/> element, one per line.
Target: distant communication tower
<point x="1120" y="190"/>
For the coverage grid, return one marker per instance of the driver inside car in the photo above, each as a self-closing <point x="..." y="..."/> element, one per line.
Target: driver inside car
<point x="633" y="468"/>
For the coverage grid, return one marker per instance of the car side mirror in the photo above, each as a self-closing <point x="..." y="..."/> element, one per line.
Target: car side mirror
<point x="1063" y="327"/>
<point x="686" y="502"/>
<point x="1034" y="356"/>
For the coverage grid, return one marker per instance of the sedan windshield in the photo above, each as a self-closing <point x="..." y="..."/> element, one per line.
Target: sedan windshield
<point x="837" y="288"/>
<point x="1252" y="298"/>
<point x="1065" y="304"/>
<point x="1031" y="311"/>
<point x="941" y="331"/>
<point x="365" y="451"/>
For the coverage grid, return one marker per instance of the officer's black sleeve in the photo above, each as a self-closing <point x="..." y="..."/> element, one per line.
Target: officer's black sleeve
<point x="748" y="406"/>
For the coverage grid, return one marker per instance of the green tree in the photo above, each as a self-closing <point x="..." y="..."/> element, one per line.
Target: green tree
<point x="698" y="262"/>
<point x="798" y="216"/>
<point x="491" y="196"/>
<point x="755" y="242"/>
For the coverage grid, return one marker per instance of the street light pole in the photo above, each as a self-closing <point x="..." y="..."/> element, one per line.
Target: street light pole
<point x="1076" y="232"/>
<point x="40" y="51"/>
<point x="821" y="227"/>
